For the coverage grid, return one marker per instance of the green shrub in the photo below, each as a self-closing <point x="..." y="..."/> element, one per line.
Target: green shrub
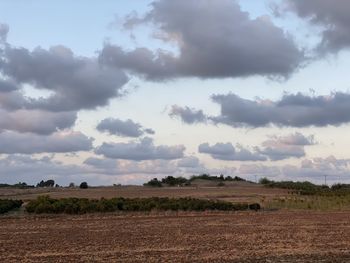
<point x="8" y="205"/>
<point x="84" y="185"/>
<point x="154" y="183"/>
<point x="45" y="204"/>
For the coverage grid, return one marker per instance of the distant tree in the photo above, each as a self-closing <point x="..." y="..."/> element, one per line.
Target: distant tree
<point x="264" y="181"/>
<point x="48" y="183"/>
<point x="174" y="181"/>
<point x="71" y="185"/>
<point x="84" y="185"/>
<point x="154" y="183"/>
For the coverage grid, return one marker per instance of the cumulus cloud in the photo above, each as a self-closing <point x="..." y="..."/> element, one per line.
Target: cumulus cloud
<point x="215" y="39"/>
<point x="332" y="16"/>
<point x="36" y="121"/>
<point x="291" y="110"/>
<point x="26" y="143"/>
<point x="284" y="147"/>
<point x="76" y="82"/>
<point x="227" y="152"/>
<point x="187" y="115"/>
<point x="189" y="162"/>
<point x="126" y="167"/>
<point x="122" y="128"/>
<point x="143" y="149"/>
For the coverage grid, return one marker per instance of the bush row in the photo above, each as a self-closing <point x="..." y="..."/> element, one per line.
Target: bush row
<point x="8" y="205"/>
<point x="45" y="204"/>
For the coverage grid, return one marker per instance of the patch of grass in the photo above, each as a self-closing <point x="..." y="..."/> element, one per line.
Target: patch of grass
<point x="314" y="202"/>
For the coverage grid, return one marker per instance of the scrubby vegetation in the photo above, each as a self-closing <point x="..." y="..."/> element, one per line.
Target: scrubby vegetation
<point x="48" y="183"/>
<point x="175" y="181"/>
<point x="45" y="204"/>
<point x="8" y="205"/>
<point x="181" y="181"/>
<point x="221" y="178"/>
<point x="304" y="188"/>
<point x="154" y="183"/>
<point x="19" y="185"/>
<point x="84" y="185"/>
<point x="308" y="188"/>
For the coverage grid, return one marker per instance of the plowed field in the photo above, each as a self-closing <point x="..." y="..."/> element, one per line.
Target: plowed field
<point x="283" y="236"/>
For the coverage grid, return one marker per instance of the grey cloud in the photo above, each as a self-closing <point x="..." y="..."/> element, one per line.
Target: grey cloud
<point x="19" y="168"/>
<point x="187" y="115"/>
<point x="143" y="149"/>
<point x="284" y="147"/>
<point x="127" y="167"/>
<point x="291" y="110"/>
<point x="36" y="121"/>
<point x="107" y="164"/>
<point x="189" y="162"/>
<point x="77" y="82"/>
<point x="12" y="142"/>
<point x="126" y="128"/>
<point x="216" y="39"/>
<point x="316" y="168"/>
<point x="7" y="86"/>
<point x="259" y="170"/>
<point x="295" y="139"/>
<point x="4" y="29"/>
<point x="332" y="16"/>
<point x="149" y="131"/>
<point x="227" y="152"/>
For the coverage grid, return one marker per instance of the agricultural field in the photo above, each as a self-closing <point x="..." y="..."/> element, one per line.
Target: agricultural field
<point x="178" y="237"/>
<point x="287" y="229"/>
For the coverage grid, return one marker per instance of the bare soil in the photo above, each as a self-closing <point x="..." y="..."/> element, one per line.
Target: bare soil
<point x="283" y="236"/>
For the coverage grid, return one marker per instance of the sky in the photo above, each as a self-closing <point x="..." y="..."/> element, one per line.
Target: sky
<point x="113" y="92"/>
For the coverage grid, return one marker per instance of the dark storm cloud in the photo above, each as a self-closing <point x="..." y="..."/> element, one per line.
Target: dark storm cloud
<point x="284" y="147"/>
<point x="76" y="82"/>
<point x="36" y="121"/>
<point x="216" y="39"/>
<point x="12" y="142"/>
<point x="126" y="128"/>
<point x="227" y="152"/>
<point x="291" y="110"/>
<point x="332" y="16"/>
<point x="187" y="115"/>
<point x="143" y="149"/>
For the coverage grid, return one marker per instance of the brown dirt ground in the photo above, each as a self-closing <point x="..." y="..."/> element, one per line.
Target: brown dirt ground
<point x="236" y="192"/>
<point x="283" y="236"/>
